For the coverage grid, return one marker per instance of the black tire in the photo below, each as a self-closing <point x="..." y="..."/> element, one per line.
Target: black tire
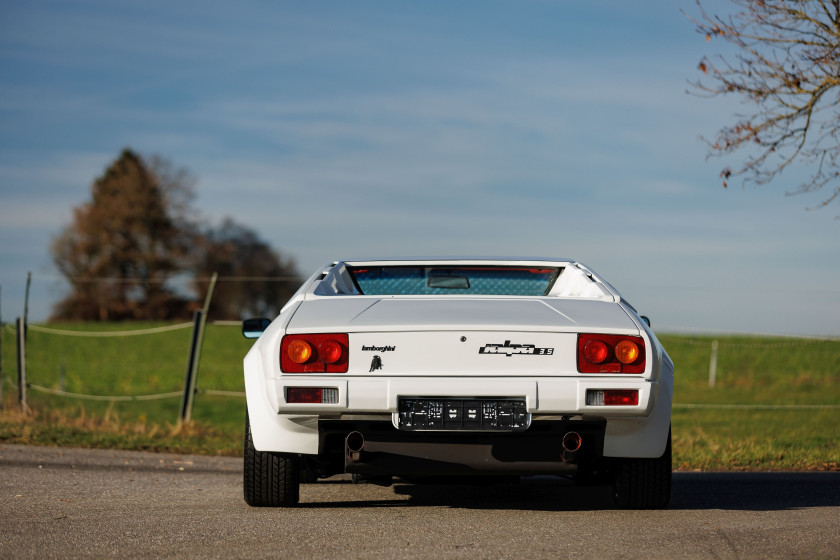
<point x="643" y="483"/>
<point x="269" y="479"/>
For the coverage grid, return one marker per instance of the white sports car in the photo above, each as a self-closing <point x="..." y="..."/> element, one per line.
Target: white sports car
<point x="458" y="368"/>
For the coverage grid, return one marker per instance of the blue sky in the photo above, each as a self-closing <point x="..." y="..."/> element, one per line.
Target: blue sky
<point x="384" y="128"/>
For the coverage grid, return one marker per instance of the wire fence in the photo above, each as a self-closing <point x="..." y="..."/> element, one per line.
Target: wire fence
<point x="801" y="341"/>
<point x="148" y="363"/>
<point x="119" y="365"/>
<point x="123" y="334"/>
<point x="154" y="362"/>
<point x="752" y="353"/>
<point x="108" y="398"/>
<point x="125" y="362"/>
<point x="108" y="334"/>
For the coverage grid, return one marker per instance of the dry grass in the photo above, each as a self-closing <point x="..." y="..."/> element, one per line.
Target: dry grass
<point x="81" y="429"/>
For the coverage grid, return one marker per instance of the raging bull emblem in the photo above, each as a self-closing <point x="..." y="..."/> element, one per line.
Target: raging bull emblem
<point x="375" y="363"/>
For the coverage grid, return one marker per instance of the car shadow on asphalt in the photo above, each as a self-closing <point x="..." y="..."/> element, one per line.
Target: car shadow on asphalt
<point x="743" y="491"/>
<point x="755" y="491"/>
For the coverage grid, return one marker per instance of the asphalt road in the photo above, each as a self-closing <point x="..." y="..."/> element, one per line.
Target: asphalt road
<point x="72" y="503"/>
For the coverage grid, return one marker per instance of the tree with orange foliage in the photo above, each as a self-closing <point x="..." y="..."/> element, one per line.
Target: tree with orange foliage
<point x="137" y="232"/>
<point x="123" y="246"/>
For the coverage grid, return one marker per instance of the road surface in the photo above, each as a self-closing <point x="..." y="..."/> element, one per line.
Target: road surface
<point x="75" y="503"/>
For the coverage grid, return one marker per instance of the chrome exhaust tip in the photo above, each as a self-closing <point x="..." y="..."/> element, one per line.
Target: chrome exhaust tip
<point x="572" y="442"/>
<point x="354" y="442"/>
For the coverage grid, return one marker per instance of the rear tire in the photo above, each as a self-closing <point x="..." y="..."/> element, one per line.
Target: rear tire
<point x="269" y="479"/>
<point x="643" y="483"/>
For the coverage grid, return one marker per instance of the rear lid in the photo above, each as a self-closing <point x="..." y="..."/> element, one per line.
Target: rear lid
<point x="454" y="336"/>
<point x="362" y="314"/>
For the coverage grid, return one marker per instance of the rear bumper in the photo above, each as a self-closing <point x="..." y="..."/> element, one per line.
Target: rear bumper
<point x="630" y="431"/>
<point x="546" y="395"/>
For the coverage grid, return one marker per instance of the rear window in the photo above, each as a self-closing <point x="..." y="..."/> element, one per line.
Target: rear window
<point x="453" y="280"/>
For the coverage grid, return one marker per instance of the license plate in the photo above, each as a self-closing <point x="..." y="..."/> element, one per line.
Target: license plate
<point x="505" y="415"/>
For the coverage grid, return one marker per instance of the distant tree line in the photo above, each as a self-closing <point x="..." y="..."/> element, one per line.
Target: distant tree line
<point x="124" y="249"/>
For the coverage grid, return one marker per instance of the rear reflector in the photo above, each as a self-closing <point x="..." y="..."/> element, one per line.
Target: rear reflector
<point x="312" y="395"/>
<point x="612" y="397"/>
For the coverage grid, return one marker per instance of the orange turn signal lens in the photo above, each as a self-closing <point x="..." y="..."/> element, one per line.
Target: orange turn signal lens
<point x="299" y="351"/>
<point x="626" y="352"/>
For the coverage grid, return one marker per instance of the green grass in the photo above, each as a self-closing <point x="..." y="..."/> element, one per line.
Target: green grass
<point x="750" y="371"/>
<point x="149" y="364"/>
<point x="756" y="371"/>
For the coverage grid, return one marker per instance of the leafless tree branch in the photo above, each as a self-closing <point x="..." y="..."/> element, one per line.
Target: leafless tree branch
<point x="787" y="68"/>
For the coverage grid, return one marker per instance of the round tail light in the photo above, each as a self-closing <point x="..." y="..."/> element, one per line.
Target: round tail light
<point x="330" y="351"/>
<point x="596" y="351"/>
<point x="299" y="351"/>
<point x="626" y="352"/>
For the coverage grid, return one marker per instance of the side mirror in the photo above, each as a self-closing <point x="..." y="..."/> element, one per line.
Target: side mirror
<point x="253" y="328"/>
<point x="646" y="320"/>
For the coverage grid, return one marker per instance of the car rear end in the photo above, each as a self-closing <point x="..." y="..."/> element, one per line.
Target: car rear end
<point x="411" y="385"/>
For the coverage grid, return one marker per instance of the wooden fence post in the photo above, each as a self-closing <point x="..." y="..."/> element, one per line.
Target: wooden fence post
<point x="190" y="383"/>
<point x="192" y="370"/>
<point x="21" y="363"/>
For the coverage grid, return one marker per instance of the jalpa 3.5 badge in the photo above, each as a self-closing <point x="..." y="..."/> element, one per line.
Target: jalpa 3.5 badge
<point x="509" y="349"/>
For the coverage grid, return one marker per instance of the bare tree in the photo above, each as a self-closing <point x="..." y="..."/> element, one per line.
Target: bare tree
<point x="787" y="69"/>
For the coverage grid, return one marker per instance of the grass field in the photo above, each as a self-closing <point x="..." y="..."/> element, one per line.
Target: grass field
<point x="751" y="371"/>
<point x="736" y="425"/>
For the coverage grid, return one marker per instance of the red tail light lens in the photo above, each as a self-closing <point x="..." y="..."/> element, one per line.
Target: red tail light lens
<point x="596" y="351"/>
<point x="314" y="353"/>
<point x="311" y="395"/>
<point x="330" y="351"/>
<point x="610" y="353"/>
<point x="612" y="397"/>
<point x="618" y="397"/>
<point x="307" y="395"/>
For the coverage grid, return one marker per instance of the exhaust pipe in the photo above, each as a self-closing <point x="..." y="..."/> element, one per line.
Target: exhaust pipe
<point x="353" y="445"/>
<point x="572" y="443"/>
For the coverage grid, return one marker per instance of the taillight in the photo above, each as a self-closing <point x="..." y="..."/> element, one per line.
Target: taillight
<point x="596" y="351"/>
<point x="610" y="353"/>
<point x="331" y="351"/>
<point x="299" y="351"/>
<point x="314" y="353"/>
<point x="612" y="397"/>
<point x="626" y="352"/>
<point x="311" y="395"/>
<point x="307" y="395"/>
